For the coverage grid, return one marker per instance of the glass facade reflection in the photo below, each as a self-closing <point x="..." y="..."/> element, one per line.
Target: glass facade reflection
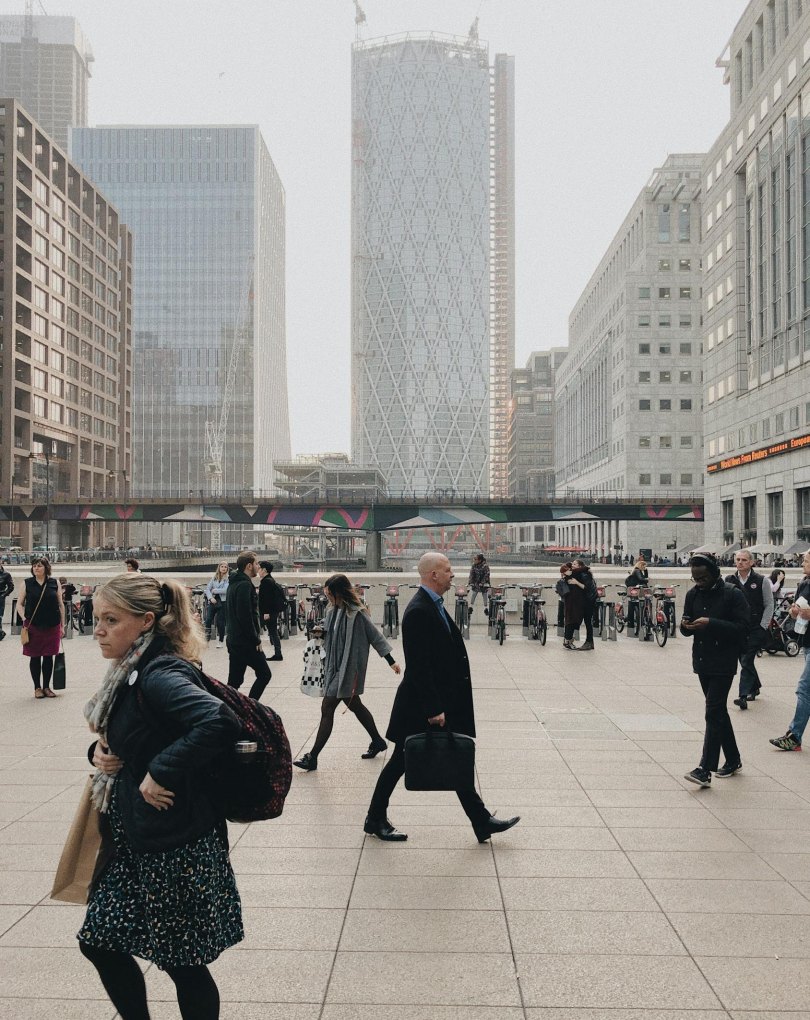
<point x="420" y="261"/>
<point x="206" y="207"/>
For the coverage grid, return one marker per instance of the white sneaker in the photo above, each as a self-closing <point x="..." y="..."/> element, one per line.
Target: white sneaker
<point x="219" y="644"/>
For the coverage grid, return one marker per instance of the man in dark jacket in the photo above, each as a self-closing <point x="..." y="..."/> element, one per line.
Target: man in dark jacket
<point x="716" y="616"/>
<point x="479" y="582"/>
<point x="6" y="588"/>
<point x="759" y="596"/>
<point x="792" y="740"/>
<point x="271" y="603"/>
<point x="435" y="691"/>
<point x="243" y="636"/>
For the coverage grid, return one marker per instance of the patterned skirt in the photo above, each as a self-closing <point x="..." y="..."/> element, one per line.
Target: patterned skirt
<point x="176" y="908"/>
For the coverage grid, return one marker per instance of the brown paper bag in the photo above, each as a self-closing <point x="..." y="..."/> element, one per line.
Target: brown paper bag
<point x="77" y="865"/>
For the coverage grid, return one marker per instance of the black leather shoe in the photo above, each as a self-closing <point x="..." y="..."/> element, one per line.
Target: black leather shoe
<point x="741" y="703"/>
<point x="276" y="658"/>
<point x="383" y="830"/>
<point x="495" y="825"/>
<point x="306" y="762"/>
<point x="374" y="750"/>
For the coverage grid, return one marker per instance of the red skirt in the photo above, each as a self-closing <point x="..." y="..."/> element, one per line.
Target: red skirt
<point x="42" y="640"/>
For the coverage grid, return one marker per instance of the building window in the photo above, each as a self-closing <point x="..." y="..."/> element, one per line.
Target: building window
<point x="645" y="479"/>
<point x="685" y="376"/>
<point x="664" y="293"/>
<point x="643" y="348"/>
<point x="779" y="423"/>
<point x="684" y="233"/>
<point x="685" y="265"/>
<point x="665" y="377"/>
<point x="664" y="349"/>
<point x="803" y="508"/>
<point x="686" y="479"/>
<point x="686" y="405"/>
<point x="664" y="320"/>
<point x="644" y="377"/>
<point x="665" y="405"/>
<point x="685" y="321"/>
<point x="794" y="417"/>
<point x="644" y="405"/>
<point x="774" y="512"/>
<point x="686" y="442"/>
<point x="644" y="442"/>
<point x="766" y="428"/>
<point x="665" y="479"/>
<point x="727" y="514"/>
<point x="685" y="293"/>
<point x="685" y="348"/>
<point x="644" y="321"/>
<point x="643" y="293"/>
<point x="663" y="224"/>
<point x="665" y="442"/>
<point x="664" y="265"/>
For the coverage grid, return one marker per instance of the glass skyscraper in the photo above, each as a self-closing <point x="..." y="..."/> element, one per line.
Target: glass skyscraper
<point x="421" y="261"/>
<point x="206" y="209"/>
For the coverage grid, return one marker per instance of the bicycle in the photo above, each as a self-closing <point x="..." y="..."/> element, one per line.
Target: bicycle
<point x="645" y="615"/>
<point x="497" y="612"/>
<point x="390" y="624"/>
<point x="666" y="593"/>
<point x="599" y="610"/>
<point x="288" y="617"/>
<point x="661" y="617"/>
<point x="362" y="589"/>
<point x="317" y="608"/>
<point x="618" y="609"/>
<point x="538" y="624"/>
<point x="634" y="609"/>
<point x="462" y="616"/>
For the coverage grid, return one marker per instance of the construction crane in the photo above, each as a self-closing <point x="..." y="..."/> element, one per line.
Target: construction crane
<point x="359" y="19"/>
<point x="216" y="431"/>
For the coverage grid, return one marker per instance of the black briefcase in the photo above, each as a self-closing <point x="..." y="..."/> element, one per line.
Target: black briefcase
<point x="437" y="760"/>
<point x="59" y="680"/>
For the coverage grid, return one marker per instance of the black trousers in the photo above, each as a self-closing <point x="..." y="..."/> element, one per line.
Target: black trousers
<point x="749" y="678"/>
<point x="394" y="770"/>
<point x="272" y="630"/>
<point x="238" y="661"/>
<point x="719" y="731"/>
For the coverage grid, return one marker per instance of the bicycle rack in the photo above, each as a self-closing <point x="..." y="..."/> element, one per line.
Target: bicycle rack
<point x="68" y="622"/>
<point x="609" y="622"/>
<point x="16" y="622"/>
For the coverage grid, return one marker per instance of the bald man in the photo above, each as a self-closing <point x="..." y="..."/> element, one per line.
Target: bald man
<point x="435" y="691"/>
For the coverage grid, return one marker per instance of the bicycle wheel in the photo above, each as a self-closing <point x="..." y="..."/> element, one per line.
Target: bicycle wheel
<point x="283" y="629"/>
<point x="395" y="620"/>
<point x="459" y="618"/>
<point x="501" y="630"/>
<point x="386" y="627"/>
<point x="620" y="621"/>
<point x="465" y="630"/>
<point x="302" y="618"/>
<point x="542" y="630"/>
<point x="672" y="621"/>
<point x="662" y="632"/>
<point x="648" y="624"/>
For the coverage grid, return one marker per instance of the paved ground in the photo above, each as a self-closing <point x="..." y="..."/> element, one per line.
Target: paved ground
<point x="624" y="893"/>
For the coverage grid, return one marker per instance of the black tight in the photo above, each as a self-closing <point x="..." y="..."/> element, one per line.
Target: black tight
<point x="362" y="714"/>
<point x="197" y="994"/>
<point x="41" y="664"/>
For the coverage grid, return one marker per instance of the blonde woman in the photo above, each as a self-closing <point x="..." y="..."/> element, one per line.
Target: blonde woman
<point x="215" y="592"/>
<point x="348" y="636"/>
<point x="168" y="894"/>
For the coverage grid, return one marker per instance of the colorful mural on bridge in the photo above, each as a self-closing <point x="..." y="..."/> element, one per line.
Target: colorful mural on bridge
<point x="384" y="517"/>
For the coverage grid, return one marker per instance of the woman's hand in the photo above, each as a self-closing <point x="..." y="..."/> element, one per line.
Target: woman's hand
<point x="396" y="668"/>
<point x="437" y="720"/>
<point x="153" y="793"/>
<point x="107" y="762"/>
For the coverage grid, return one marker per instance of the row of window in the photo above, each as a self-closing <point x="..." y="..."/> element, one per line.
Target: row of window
<point x="52" y="410"/>
<point x="665" y="293"/>
<point x="665" y="320"/>
<point x="665" y="404"/>
<point x="763" y="430"/>
<point x="684" y="348"/>
<point x="666" y="376"/>
<point x="665" y="479"/>
<point x="665" y="442"/>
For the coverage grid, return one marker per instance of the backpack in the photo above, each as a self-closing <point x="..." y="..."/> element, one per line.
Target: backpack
<point x="255" y="790"/>
<point x="278" y="599"/>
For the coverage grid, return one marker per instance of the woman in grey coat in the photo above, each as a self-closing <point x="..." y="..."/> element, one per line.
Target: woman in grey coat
<point x="348" y="636"/>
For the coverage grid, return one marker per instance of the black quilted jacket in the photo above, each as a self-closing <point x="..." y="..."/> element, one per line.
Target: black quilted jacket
<point x="172" y="729"/>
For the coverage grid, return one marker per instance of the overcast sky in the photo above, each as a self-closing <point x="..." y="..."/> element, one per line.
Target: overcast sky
<point x="605" y="89"/>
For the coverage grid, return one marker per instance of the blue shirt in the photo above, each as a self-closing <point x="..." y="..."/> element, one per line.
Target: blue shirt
<point x="439" y="603"/>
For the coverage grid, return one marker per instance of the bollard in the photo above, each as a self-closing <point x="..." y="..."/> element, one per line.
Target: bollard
<point x="16" y="622"/>
<point x="68" y="622"/>
<point x="612" y="633"/>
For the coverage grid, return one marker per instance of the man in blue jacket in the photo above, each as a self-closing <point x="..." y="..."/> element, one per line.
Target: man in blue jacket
<point x="716" y="616"/>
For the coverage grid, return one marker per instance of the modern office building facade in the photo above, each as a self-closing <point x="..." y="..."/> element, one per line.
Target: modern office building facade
<point x="421" y="253"/>
<point x="206" y="207"/>
<point x="628" y="395"/>
<point x="756" y="183"/>
<point x="65" y="313"/>
<point x="530" y="427"/>
<point x="45" y="64"/>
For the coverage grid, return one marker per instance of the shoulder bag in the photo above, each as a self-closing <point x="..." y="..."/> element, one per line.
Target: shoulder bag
<point x="25" y="637"/>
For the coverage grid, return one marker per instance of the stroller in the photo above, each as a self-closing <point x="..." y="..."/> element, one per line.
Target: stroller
<point x="780" y="636"/>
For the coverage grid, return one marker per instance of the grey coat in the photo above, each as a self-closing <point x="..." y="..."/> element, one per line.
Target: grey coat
<point x="349" y="635"/>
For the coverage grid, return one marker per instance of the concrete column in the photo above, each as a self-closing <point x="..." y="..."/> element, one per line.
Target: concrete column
<point x="373" y="550"/>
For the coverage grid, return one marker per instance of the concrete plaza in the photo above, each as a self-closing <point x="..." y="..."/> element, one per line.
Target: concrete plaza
<point x="623" y="893"/>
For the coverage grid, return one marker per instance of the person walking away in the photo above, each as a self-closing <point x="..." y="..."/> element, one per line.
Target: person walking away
<point x="479" y="582"/>
<point x="243" y="632"/>
<point x="215" y="594"/>
<point x="436" y="690"/>
<point x="792" y="740"/>
<point x="348" y="636"/>
<point x="716" y="616"/>
<point x="271" y="603"/>
<point x="639" y="576"/>
<point x="168" y="893"/>
<point x="759" y="596"/>
<point x="6" y="588"/>
<point x="39" y="603"/>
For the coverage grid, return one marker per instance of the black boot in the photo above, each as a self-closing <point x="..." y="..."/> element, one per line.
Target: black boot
<point x="307" y="762"/>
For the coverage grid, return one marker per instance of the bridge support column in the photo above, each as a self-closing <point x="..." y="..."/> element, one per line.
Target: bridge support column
<point x="373" y="550"/>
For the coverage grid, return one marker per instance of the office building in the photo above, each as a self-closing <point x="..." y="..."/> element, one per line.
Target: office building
<point x="45" y="64"/>
<point x="756" y="224"/>
<point x="531" y="426"/>
<point x="328" y="476"/>
<point x="628" y="395"/>
<point x="206" y="207"/>
<point x="65" y="311"/>
<point x="423" y="217"/>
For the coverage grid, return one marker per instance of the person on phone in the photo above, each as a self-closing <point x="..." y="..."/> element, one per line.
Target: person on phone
<point x="716" y="616"/>
<point x="792" y="740"/>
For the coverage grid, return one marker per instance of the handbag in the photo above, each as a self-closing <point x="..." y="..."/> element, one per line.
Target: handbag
<point x="313" y="680"/>
<point x="81" y="856"/>
<point x="437" y="760"/>
<point x="59" y="678"/>
<point x="25" y="637"/>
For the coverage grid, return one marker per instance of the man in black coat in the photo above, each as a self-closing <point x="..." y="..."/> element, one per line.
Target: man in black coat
<point x="435" y="691"/>
<point x="271" y="603"/>
<point x="6" y="588"/>
<point x="759" y="596"/>
<point x="243" y="636"/>
<point x="716" y="615"/>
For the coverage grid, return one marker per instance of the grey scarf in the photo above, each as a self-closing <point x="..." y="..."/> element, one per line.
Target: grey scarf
<point x="99" y="708"/>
